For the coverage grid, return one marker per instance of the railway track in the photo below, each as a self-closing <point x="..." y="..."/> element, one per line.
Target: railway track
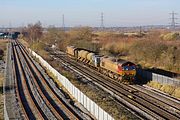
<point x="151" y="107"/>
<point x="39" y="100"/>
<point x="69" y="111"/>
<point x="27" y="103"/>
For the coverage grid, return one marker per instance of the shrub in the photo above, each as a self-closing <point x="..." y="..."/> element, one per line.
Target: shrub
<point x="39" y="47"/>
<point x="148" y="51"/>
<point x="171" y="36"/>
<point x="120" y="47"/>
<point x="156" y="53"/>
<point x="36" y="46"/>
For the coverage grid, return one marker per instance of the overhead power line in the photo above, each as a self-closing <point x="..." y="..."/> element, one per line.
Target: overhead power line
<point x="102" y="21"/>
<point x="63" y="22"/>
<point x="173" y="20"/>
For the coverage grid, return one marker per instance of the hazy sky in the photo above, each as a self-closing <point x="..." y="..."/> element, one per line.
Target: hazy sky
<point x="87" y="12"/>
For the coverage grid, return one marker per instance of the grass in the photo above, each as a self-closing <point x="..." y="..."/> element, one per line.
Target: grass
<point x="25" y="43"/>
<point x="155" y="85"/>
<point x="169" y="89"/>
<point x="3" y="45"/>
<point x="39" y="48"/>
<point x="176" y="92"/>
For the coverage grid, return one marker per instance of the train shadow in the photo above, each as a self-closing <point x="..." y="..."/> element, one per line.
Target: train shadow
<point x="163" y="72"/>
<point x="7" y="88"/>
<point x="143" y="76"/>
<point x="141" y="81"/>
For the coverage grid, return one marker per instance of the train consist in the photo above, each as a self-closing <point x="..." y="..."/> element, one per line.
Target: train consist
<point x="121" y="70"/>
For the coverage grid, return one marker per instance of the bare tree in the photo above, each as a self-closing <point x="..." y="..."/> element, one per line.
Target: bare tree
<point x="82" y="34"/>
<point x="34" y="31"/>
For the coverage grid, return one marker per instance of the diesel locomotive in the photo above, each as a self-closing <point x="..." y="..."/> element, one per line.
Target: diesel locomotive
<point x="121" y="70"/>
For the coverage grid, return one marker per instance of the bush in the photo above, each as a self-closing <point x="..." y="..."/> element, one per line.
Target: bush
<point x="120" y="47"/>
<point x="36" y="46"/>
<point x="56" y="37"/>
<point x="39" y="48"/>
<point x="82" y="38"/>
<point x="148" y="51"/>
<point x="156" y="53"/>
<point x="170" y="36"/>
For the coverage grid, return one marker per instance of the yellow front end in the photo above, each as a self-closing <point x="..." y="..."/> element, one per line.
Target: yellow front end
<point x="128" y="75"/>
<point x="130" y="72"/>
<point x="127" y="72"/>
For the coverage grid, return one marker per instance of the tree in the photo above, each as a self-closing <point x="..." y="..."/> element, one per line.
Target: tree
<point x="34" y="31"/>
<point x="82" y="33"/>
<point x="82" y="37"/>
<point x="53" y="36"/>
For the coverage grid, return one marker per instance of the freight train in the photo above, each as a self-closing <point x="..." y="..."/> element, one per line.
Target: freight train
<point x="121" y="70"/>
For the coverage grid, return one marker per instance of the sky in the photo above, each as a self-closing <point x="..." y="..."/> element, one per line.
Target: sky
<point x="117" y="13"/>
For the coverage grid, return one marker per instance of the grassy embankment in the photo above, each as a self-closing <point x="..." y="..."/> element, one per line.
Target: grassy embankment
<point x="3" y="44"/>
<point x="169" y="89"/>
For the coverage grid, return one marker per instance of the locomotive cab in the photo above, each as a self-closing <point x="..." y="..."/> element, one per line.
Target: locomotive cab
<point x="129" y="71"/>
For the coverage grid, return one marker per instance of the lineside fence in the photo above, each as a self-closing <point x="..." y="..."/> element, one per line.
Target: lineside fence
<point x="158" y="78"/>
<point x="90" y="105"/>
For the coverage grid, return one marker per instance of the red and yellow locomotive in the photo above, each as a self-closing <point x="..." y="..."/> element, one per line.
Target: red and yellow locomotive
<point x="118" y="69"/>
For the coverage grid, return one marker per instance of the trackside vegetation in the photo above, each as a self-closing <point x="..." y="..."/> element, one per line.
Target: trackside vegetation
<point x="171" y="90"/>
